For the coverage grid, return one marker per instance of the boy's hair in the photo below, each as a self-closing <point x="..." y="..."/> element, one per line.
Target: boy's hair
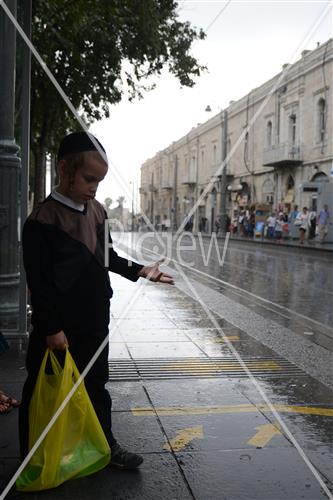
<point x="78" y="142"/>
<point x="76" y="160"/>
<point x="75" y="148"/>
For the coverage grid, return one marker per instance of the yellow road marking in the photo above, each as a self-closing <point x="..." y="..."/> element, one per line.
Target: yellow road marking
<point x="184" y="437"/>
<point x="265" y="433"/>
<point x="242" y="408"/>
<point x="232" y="338"/>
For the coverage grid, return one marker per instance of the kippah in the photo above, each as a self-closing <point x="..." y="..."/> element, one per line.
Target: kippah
<point x="77" y="142"/>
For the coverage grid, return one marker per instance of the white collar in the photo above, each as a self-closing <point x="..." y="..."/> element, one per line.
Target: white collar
<point x="67" y="201"/>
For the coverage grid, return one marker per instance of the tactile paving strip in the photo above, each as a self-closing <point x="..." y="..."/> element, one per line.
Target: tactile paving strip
<point x="174" y="368"/>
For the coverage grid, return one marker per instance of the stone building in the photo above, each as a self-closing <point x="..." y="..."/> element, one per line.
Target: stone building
<point x="272" y="140"/>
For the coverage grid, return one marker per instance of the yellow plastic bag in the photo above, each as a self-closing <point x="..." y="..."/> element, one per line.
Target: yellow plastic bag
<point x="75" y="446"/>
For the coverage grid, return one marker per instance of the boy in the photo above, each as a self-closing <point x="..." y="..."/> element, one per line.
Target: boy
<point x="63" y="252"/>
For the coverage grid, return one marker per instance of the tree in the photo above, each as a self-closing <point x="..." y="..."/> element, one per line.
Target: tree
<point x="97" y="51"/>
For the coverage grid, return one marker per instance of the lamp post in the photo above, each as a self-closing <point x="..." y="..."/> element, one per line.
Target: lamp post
<point x="10" y="165"/>
<point x="132" y="220"/>
<point x="174" y="197"/>
<point x="224" y="191"/>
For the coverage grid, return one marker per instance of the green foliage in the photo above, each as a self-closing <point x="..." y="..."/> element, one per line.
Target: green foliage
<point x="99" y="49"/>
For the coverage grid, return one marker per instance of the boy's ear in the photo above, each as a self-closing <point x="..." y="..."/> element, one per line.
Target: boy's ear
<point x="62" y="170"/>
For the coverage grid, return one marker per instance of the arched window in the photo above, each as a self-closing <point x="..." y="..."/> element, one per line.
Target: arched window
<point x="320" y="177"/>
<point x="214" y="155"/>
<point x="268" y="187"/>
<point x="321" y="119"/>
<point x="269" y="134"/>
<point x="290" y="183"/>
<point x="292" y="129"/>
<point x="213" y="197"/>
<point x="246" y="147"/>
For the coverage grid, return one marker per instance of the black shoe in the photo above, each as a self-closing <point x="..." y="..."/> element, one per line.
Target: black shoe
<point x="124" y="459"/>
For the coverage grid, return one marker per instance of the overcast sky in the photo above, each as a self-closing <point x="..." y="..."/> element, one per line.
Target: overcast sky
<point x="246" y="45"/>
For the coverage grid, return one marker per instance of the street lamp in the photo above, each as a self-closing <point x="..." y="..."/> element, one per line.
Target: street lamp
<point x="174" y="200"/>
<point x="132" y="220"/>
<point x="224" y="141"/>
<point x="223" y="176"/>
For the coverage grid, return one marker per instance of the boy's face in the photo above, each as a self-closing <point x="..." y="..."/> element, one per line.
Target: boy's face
<point x="86" y="179"/>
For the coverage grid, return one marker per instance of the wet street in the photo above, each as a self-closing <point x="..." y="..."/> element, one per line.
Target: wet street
<point x="223" y="383"/>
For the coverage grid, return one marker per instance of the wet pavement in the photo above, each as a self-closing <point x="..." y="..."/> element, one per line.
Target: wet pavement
<point x="182" y="398"/>
<point x="290" y="284"/>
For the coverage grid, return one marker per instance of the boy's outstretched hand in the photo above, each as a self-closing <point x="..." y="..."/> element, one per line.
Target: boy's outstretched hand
<point x="153" y="273"/>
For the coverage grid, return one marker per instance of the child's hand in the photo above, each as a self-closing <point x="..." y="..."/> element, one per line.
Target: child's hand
<point x="58" y="341"/>
<point x="153" y="273"/>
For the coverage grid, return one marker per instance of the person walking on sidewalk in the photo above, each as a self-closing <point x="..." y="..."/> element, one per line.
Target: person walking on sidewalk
<point x="303" y="219"/>
<point x="64" y="258"/>
<point x="323" y="222"/>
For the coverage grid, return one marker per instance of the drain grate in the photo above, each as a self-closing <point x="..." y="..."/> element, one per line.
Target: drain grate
<point x="174" y="368"/>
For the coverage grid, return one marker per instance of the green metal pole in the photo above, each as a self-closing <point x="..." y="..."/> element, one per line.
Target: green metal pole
<point x="10" y="165"/>
<point x="25" y="147"/>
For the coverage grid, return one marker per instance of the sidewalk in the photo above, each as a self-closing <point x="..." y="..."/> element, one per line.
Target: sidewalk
<point x="308" y="244"/>
<point x="284" y="243"/>
<point x="183" y="401"/>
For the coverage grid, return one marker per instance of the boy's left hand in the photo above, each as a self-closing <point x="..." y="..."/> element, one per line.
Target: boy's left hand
<point x="153" y="273"/>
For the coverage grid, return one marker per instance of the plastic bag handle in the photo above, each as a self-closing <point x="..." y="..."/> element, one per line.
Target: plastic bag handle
<point x="56" y="366"/>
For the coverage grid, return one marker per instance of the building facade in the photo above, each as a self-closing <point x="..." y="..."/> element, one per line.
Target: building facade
<point x="270" y="142"/>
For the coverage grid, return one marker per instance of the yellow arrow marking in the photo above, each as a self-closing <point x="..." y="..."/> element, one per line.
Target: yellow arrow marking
<point x="242" y="408"/>
<point x="265" y="433"/>
<point x="184" y="437"/>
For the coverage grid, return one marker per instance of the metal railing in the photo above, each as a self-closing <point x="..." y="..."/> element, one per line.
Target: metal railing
<point x="283" y="153"/>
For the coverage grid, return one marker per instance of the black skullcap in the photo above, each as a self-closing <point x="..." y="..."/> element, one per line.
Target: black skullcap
<point x="77" y="142"/>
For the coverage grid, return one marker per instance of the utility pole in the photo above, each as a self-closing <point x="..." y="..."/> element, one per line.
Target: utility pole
<point x="224" y="172"/>
<point x="196" y="214"/>
<point x="152" y="200"/>
<point x="10" y="166"/>
<point x="174" y="197"/>
<point x="132" y="225"/>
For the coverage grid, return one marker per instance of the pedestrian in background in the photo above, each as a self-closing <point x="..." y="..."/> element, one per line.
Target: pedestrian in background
<point x="294" y="214"/>
<point x="271" y="221"/>
<point x="312" y="224"/>
<point x="64" y="258"/>
<point x="217" y="225"/>
<point x="323" y="222"/>
<point x="241" y="221"/>
<point x="278" y="228"/>
<point x="303" y="219"/>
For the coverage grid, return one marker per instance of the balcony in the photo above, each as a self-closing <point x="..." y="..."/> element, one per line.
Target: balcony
<point x="282" y="155"/>
<point x="166" y="183"/>
<point x="152" y="188"/>
<point x="189" y="178"/>
<point x="214" y="169"/>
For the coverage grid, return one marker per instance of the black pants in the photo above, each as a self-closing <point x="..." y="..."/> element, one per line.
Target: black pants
<point x="82" y="347"/>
